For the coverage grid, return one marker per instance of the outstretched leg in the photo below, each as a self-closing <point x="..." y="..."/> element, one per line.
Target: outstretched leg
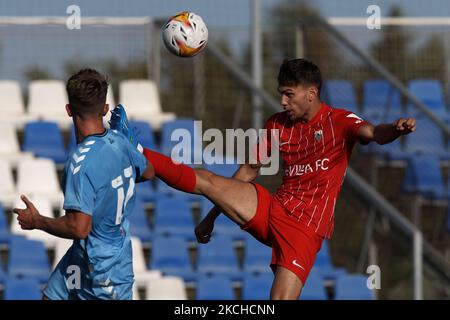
<point x="238" y="199"/>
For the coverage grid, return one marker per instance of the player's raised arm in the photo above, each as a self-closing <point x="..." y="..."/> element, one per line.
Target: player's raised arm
<point x="73" y="225"/>
<point x="386" y="132"/>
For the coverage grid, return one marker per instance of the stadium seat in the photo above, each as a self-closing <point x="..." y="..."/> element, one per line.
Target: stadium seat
<point x="146" y="136"/>
<point x="145" y="191"/>
<point x="428" y="182"/>
<point x="32" y="173"/>
<point x="166" y="288"/>
<point x="323" y="264"/>
<point x="352" y="287"/>
<point x="8" y="192"/>
<point x="216" y="287"/>
<point x="257" y="286"/>
<point x="5" y="234"/>
<point x="173" y="216"/>
<point x="427" y="139"/>
<point x="2" y="274"/>
<point x="27" y="288"/>
<point x="141" y="274"/>
<point x="170" y="256"/>
<point x="430" y="93"/>
<point x="61" y="247"/>
<point x="340" y="94"/>
<point x="28" y="258"/>
<point x="314" y="288"/>
<point x="380" y="101"/>
<point x="185" y="144"/>
<point x="218" y="257"/>
<point x="44" y="207"/>
<point x="257" y="256"/>
<point x="139" y="226"/>
<point x="47" y="101"/>
<point x="223" y="224"/>
<point x="44" y="140"/>
<point x="9" y="145"/>
<point x="163" y="189"/>
<point x="12" y="105"/>
<point x="141" y="99"/>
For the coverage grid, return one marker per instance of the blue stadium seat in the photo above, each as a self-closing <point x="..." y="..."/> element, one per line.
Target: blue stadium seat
<point x="381" y="100"/>
<point x="173" y="217"/>
<point x="257" y="286"/>
<point x="340" y="94"/>
<point x="430" y="93"/>
<point x="5" y="234"/>
<point x="218" y="257"/>
<point x="44" y="140"/>
<point x="185" y="129"/>
<point x="225" y="169"/>
<point x="146" y="135"/>
<point x="145" y="191"/>
<point x="323" y="264"/>
<point x="216" y="287"/>
<point x="28" y="258"/>
<point x="223" y="224"/>
<point x="314" y="288"/>
<point x="257" y="256"/>
<point x="139" y="226"/>
<point x="352" y="287"/>
<point x="427" y="139"/>
<point x="2" y="274"/>
<point x="423" y="175"/>
<point x="170" y="255"/>
<point x="22" y="289"/>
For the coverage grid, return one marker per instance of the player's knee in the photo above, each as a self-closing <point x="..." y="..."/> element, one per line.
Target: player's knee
<point x="281" y="294"/>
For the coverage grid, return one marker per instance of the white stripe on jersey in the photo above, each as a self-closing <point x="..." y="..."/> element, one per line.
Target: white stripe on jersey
<point x="332" y="131"/>
<point x="326" y="202"/>
<point x="298" y="156"/>
<point x="312" y="199"/>
<point x="303" y="193"/>
<point x="312" y="216"/>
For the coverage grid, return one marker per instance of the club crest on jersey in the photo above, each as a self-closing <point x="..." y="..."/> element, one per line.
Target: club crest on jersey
<point x="318" y="135"/>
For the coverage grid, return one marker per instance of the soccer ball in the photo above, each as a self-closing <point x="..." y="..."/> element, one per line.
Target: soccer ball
<point x="185" y="34"/>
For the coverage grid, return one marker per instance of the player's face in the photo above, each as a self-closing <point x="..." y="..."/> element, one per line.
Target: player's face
<point x="295" y="100"/>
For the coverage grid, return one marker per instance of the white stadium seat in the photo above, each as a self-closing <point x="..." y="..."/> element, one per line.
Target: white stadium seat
<point x="141" y="101"/>
<point x="9" y="145"/>
<point x="166" y="288"/>
<point x="61" y="247"/>
<point x="47" y="101"/>
<point x="8" y="192"/>
<point x="38" y="177"/>
<point x="44" y="207"/>
<point x="11" y="104"/>
<point x="141" y="274"/>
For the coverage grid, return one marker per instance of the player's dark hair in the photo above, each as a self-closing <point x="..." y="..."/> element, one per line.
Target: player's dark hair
<point x="87" y="91"/>
<point x="299" y="72"/>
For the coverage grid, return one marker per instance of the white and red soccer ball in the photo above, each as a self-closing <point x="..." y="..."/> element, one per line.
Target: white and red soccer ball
<point x="185" y="34"/>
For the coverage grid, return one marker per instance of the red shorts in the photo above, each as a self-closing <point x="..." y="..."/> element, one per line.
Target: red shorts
<point x="294" y="246"/>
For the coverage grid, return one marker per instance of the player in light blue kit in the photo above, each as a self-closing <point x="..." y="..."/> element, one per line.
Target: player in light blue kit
<point x="99" y="179"/>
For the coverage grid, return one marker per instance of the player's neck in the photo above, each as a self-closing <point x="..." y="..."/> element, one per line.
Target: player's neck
<point x="313" y="110"/>
<point x="87" y="127"/>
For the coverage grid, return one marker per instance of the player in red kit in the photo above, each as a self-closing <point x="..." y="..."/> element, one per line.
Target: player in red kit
<point x="315" y="142"/>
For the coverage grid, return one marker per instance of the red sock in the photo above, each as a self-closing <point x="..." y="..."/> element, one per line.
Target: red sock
<point x="178" y="176"/>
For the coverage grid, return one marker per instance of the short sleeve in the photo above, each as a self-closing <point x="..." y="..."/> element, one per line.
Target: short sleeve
<point x="79" y="192"/>
<point x="138" y="160"/>
<point x="351" y="123"/>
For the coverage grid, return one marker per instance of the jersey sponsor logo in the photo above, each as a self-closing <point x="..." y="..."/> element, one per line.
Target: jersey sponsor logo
<point x="295" y="263"/>
<point x="301" y="169"/>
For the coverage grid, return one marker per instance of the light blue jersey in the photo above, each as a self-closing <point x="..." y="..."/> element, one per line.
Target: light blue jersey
<point x="99" y="179"/>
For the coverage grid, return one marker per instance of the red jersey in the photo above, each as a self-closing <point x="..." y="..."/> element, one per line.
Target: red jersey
<point x="315" y="156"/>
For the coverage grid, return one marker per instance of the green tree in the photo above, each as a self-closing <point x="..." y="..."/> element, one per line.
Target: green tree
<point x="37" y="73"/>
